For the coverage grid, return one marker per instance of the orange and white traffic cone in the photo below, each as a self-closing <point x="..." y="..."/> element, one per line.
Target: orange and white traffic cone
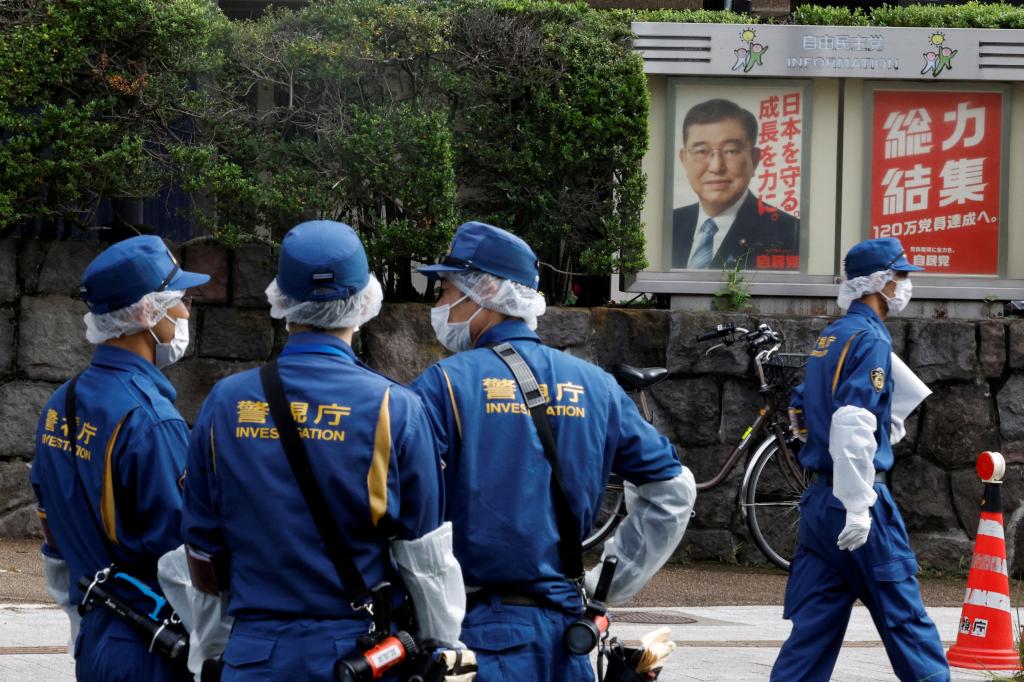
<point x="985" y="640"/>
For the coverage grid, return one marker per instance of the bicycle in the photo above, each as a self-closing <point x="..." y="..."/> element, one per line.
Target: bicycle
<point x="773" y="480"/>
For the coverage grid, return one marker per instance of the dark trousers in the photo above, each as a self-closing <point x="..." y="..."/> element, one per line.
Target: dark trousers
<point x="825" y="581"/>
<point x="110" y="650"/>
<point x="301" y="649"/>
<point x="520" y="643"/>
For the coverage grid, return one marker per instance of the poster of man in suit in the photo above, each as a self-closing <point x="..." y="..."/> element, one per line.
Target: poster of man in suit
<point x="737" y="182"/>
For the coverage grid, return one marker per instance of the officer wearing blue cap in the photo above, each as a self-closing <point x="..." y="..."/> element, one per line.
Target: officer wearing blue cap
<point x="107" y="476"/>
<point x="523" y="596"/>
<point x="250" y="533"/>
<point x="853" y="544"/>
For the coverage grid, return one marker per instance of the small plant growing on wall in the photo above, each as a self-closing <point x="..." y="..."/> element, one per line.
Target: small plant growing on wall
<point x="735" y="295"/>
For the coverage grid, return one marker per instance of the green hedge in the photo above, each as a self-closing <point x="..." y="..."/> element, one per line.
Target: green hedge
<point x="962" y="15"/>
<point x="401" y="117"/>
<point x="404" y="118"/>
<point x="970" y="14"/>
<point x="86" y="91"/>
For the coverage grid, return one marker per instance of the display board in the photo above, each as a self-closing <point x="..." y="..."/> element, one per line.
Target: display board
<point x="774" y="148"/>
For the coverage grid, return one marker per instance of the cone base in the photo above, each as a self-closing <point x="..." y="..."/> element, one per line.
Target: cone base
<point x="983" y="659"/>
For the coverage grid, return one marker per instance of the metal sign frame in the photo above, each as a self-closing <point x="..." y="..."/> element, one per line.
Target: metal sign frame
<point x="879" y="56"/>
<point x="830" y="51"/>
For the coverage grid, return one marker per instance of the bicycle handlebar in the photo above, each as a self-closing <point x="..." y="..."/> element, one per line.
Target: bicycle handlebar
<point x="717" y="333"/>
<point x="756" y="339"/>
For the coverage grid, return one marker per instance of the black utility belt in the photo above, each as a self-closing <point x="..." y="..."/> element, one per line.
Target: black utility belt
<point x="826" y="477"/>
<point x="507" y="598"/>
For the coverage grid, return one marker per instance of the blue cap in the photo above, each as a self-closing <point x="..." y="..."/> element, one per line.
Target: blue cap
<point x="479" y="246"/>
<point x="322" y="260"/>
<point x="874" y="255"/>
<point x="129" y="270"/>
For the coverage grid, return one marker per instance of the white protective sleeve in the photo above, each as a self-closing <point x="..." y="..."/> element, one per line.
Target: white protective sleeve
<point x="203" y="615"/>
<point x="58" y="584"/>
<point x="657" y="515"/>
<point x="433" y="578"/>
<point x="851" y="442"/>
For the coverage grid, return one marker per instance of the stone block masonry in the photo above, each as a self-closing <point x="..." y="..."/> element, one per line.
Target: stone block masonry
<point x="976" y="369"/>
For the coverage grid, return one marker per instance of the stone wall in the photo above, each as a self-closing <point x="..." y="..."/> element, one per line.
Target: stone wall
<point x="976" y="369"/>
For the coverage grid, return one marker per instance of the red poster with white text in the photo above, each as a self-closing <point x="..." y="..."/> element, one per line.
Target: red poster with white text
<point x="935" y="179"/>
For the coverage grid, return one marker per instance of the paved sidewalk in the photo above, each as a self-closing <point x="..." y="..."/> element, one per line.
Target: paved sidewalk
<point x="722" y="643"/>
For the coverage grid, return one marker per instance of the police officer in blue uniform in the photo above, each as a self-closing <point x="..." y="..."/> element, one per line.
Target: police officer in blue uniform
<point x="248" y="529"/>
<point x="116" y="497"/>
<point x="853" y="544"/>
<point x="496" y="473"/>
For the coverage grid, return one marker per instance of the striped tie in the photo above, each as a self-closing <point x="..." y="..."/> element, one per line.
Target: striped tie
<point x="701" y="258"/>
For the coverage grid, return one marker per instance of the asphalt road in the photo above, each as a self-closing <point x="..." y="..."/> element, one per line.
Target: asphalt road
<point x="677" y="585"/>
<point x="726" y="621"/>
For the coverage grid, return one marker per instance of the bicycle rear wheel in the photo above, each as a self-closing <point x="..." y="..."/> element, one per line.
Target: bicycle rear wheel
<point x="771" y="503"/>
<point x="609" y="514"/>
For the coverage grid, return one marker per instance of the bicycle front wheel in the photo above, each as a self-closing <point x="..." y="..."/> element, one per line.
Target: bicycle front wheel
<point x="771" y="502"/>
<point x="609" y="514"/>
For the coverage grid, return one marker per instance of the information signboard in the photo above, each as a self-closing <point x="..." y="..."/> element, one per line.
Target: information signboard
<point x="935" y="177"/>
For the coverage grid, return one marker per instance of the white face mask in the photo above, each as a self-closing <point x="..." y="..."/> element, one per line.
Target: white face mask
<point x="900" y="297"/>
<point x="452" y="335"/>
<point x="174" y="350"/>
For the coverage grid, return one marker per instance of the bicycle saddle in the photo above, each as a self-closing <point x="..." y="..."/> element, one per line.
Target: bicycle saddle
<point x="638" y="378"/>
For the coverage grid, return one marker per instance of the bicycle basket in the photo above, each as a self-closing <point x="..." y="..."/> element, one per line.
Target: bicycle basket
<point x="783" y="372"/>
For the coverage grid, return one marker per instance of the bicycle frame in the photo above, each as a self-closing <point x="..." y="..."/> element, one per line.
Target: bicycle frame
<point x="767" y="419"/>
<point x="735" y="455"/>
<point x="770" y="429"/>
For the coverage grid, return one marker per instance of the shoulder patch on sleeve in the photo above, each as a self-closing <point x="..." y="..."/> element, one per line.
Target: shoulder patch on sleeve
<point x="878" y="379"/>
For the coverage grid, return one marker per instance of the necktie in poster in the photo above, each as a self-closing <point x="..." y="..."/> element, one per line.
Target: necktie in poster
<point x="935" y="177"/>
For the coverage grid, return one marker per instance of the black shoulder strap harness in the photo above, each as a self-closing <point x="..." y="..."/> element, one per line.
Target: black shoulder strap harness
<point x="570" y="548"/>
<point x="295" y="450"/>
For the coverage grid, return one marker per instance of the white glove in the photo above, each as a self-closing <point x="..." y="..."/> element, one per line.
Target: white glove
<point x="460" y="665"/>
<point x="855" y="532"/>
<point x="897" y="430"/>
<point x="658" y="646"/>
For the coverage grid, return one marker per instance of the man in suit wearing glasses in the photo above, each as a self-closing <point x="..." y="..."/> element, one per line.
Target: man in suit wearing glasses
<point x="728" y="224"/>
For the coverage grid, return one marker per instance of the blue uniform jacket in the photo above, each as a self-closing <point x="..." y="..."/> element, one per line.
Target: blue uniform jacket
<point x="371" y="449"/>
<point x="850" y="364"/>
<point x="130" y="456"/>
<point x="496" y="476"/>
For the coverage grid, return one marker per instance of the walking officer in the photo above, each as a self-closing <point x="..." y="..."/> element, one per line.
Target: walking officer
<point x="314" y="478"/>
<point x="853" y="544"/>
<point x="110" y="452"/>
<point x="507" y="512"/>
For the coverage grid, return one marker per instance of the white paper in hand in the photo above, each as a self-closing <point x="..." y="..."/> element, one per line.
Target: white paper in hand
<point x="908" y="390"/>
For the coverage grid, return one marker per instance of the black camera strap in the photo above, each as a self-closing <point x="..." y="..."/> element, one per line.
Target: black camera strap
<point x="570" y="548"/>
<point x="295" y="449"/>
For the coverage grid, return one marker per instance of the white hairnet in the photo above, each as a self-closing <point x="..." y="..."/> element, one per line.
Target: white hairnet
<point x="500" y="295"/>
<point x="343" y="313"/>
<point x="143" y="314"/>
<point x="852" y="289"/>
